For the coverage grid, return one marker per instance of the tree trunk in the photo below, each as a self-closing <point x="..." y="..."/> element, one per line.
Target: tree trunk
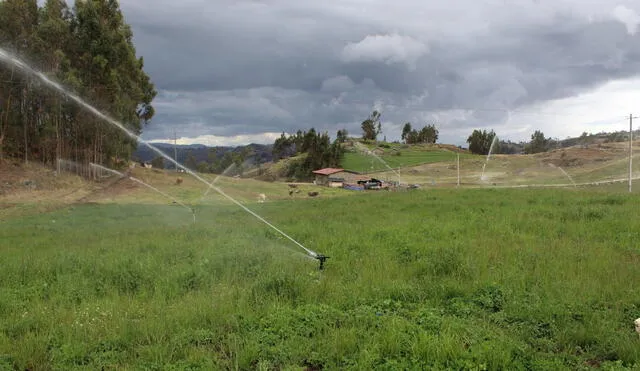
<point x="4" y="126"/>
<point x="5" y="123"/>
<point x="56" y="118"/>
<point x="25" y="121"/>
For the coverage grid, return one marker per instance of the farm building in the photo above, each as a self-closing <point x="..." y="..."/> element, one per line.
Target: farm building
<point x="335" y="177"/>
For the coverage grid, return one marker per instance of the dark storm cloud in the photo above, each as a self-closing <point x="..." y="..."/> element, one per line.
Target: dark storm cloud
<point x="245" y="67"/>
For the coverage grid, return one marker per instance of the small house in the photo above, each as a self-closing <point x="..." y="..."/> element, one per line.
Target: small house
<point x="336" y="178"/>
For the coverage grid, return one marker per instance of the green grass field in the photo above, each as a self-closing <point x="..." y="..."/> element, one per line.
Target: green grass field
<point x="399" y="156"/>
<point x="445" y="279"/>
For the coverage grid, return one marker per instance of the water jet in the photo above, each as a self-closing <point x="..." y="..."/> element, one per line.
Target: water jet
<point x="371" y="153"/>
<point x="493" y="142"/>
<point x="175" y="200"/>
<point x="10" y="59"/>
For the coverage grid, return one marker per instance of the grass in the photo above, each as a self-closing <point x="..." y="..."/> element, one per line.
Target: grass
<point x="446" y="279"/>
<point x="398" y="156"/>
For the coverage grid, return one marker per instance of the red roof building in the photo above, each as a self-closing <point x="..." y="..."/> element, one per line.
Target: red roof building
<point x="335" y="177"/>
<point x="327" y="171"/>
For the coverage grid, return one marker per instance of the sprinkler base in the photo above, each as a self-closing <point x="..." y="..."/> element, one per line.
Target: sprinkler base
<point x="322" y="259"/>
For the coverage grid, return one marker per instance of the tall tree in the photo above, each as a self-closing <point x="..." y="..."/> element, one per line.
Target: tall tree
<point x="316" y="152"/>
<point x="480" y="141"/>
<point x="406" y="130"/>
<point x="428" y="134"/>
<point x="539" y="143"/>
<point x="371" y="127"/>
<point x="341" y="135"/>
<point x="18" y="25"/>
<point x="89" y="50"/>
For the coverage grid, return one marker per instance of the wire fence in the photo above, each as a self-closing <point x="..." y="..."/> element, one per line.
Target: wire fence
<point x="83" y="170"/>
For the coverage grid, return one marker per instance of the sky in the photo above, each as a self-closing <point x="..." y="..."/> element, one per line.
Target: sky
<point x="232" y="72"/>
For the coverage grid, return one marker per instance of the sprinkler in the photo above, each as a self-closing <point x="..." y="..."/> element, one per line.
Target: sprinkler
<point x="322" y="259"/>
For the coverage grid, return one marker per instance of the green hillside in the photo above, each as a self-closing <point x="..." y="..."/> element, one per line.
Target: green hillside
<point x="398" y="156"/>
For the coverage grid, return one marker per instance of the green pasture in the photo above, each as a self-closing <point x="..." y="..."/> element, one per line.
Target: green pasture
<point x="439" y="279"/>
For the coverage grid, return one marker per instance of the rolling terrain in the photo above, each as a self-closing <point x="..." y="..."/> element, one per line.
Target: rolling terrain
<point x="112" y="275"/>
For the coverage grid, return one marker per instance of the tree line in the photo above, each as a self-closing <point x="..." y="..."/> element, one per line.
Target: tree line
<point x="482" y="141"/>
<point x="89" y="49"/>
<point x="315" y="151"/>
<point x="428" y="134"/>
<point x="372" y="127"/>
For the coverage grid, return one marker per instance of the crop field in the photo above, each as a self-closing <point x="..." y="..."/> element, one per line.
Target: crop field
<point x="445" y="279"/>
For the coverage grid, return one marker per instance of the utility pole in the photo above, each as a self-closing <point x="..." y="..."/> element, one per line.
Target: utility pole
<point x="175" y="150"/>
<point x="458" y="169"/>
<point x="631" y="150"/>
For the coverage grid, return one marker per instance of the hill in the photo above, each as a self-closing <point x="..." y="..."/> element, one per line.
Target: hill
<point x="201" y="152"/>
<point x="396" y="155"/>
<point x="508" y="147"/>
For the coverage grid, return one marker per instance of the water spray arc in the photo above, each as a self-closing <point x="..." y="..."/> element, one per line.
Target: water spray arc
<point x="8" y="58"/>
<point x="371" y="153"/>
<point x="493" y="142"/>
<point x="565" y="173"/>
<point x="146" y="185"/>
<point x="226" y="172"/>
<point x="215" y="180"/>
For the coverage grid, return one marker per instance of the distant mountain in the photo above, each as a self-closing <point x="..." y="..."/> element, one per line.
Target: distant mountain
<point x="200" y="152"/>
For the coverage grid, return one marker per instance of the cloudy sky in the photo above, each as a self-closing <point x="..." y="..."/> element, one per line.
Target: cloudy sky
<point x="237" y="71"/>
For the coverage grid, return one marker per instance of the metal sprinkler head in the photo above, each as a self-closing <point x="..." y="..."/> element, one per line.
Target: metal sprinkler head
<point x="322" y="259"/>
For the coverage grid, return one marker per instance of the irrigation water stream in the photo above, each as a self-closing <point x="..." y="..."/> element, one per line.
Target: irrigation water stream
<point x="116" y="172"/>
<point x="493" y="143"/>
<point x="371" y="153"/>
<point x="10" y="59"/>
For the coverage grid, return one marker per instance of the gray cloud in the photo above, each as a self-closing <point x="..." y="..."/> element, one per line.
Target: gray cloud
<point x="246" y="67"/>
<point x="388" y="49"/>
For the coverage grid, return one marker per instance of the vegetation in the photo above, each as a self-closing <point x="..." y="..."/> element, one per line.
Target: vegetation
<point x="158" y="162"/>
<point x="313" y="150"/>
<point x="428" y="134"/>
<point x="397" y="156"/>
<point x="371" y="127"/>
<point x="480" y="142"/>
<point x="89" y="48"/>
<point x="510" y="148"/>
<point x="446" y="279"/>
<point x="342" y="135"/>
<point x="220" y="160"/>
<point x="539" y="143"/>
<point x="478" y="279"/>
